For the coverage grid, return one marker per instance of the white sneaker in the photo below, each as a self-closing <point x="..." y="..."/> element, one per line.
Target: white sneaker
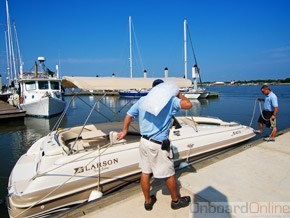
<point x="268" y="139"/>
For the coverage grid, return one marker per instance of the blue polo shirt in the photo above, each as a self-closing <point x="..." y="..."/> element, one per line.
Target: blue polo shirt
<point x="271" y="101"/>
<point x="158" y="126"/>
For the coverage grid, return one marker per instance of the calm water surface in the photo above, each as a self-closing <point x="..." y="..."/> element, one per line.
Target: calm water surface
<point x="235" y="103"/>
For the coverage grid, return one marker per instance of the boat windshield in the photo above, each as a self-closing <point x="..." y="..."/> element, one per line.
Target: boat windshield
<point x="43" y="84"/>
<point x="54" y="85"/>
<point x="30" y="85"/>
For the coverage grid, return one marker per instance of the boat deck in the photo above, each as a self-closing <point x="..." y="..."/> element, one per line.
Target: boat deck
<point x="253" y="178"/>
<point x="8" y="111"/>
<point x="97" y="135"/>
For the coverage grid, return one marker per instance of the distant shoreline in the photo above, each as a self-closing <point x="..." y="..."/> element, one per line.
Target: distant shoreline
<point x="246" y="84"/>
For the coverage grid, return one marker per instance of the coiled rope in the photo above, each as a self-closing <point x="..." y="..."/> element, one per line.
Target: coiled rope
<point x="261" y="112"/>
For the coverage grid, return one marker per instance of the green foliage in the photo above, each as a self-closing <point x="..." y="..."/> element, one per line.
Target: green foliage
<point x="257" y="81"/>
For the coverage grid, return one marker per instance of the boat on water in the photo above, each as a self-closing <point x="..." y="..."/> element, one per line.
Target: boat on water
<point x="133" y="93"/>
<point x="79" y="164"/>
<point x="40" y="91"/>
<point x="190" y="94"/>
<point x="194" y="92"/>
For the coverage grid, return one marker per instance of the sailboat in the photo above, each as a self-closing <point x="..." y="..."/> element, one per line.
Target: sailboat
<point x="74" y="165"/>
<point x="132" y="93"/>
<point x="192" y="92"/>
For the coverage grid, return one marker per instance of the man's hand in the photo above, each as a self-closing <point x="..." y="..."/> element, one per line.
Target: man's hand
<point x="273" y="117"/>
<point x="126" y="124"/>
<point x="121" y="135"/>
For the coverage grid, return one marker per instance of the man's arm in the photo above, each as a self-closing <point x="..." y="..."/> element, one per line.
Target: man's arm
<point x="185" y="102"/>
<point x="274" y="113"/>
<point x="126" y="125"/>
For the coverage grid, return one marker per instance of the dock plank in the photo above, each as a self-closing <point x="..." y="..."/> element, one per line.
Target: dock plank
<point x="8" y="111"/>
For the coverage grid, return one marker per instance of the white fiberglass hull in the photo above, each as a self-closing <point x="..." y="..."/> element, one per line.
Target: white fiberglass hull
<point x="203" y="94"/>
<point x="191" y="95"/>
<point x="49" y="177"/>
<point x="44" y="107"/>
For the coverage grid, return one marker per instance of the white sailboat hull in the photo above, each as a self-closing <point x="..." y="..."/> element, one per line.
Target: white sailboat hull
<point x="49" y="177"/>
<point x="203" y="94"/>
<point x="191" y="95"/>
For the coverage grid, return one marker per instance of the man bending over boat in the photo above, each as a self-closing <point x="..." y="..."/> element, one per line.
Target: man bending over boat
<point x="155" y="147"/>
<point x="268" y="116"/>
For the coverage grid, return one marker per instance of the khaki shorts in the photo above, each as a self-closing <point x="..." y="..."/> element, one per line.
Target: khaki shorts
<point x="155" y="160"/>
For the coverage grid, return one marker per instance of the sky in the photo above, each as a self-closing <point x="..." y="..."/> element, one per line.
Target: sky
<point x="232" y="39"/>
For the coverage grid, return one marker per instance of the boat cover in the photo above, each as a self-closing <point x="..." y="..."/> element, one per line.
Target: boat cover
<point x="117" y="83"/>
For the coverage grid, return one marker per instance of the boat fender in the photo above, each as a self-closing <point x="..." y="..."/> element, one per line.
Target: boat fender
<point x="95" y="194"/>
<point x="158" y="97"/>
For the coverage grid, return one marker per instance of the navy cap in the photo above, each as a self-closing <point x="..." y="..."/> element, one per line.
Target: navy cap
<point x="157" y="82"/>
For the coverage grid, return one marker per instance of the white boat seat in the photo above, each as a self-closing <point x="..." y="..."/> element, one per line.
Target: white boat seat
<point x="66" y="136"/>
<point x="113" y="138"/>
<point x="77" y="147"/>
<point x="91" y="127"/>
<point x="93" y="134"/>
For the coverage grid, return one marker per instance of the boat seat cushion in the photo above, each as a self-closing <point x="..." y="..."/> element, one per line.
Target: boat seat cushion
<point x="91" y="127"/>
<point x="93" y="134"/>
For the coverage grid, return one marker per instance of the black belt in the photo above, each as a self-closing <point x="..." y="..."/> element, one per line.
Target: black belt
<point x="152" y="140"/>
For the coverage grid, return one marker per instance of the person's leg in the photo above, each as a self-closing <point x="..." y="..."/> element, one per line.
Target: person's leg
<point x="145" y="185"/>
<point x="274" y="128"/>
<point x="177" y="201"/>
<point x="274" y="131"/>
<point x="260" y="124"/>
<point x="261" y="127"/>
<point x="171" y="184"/>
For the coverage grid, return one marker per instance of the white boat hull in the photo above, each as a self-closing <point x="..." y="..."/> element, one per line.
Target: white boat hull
<point x="191" y="95"/>
<point x="49" y="177"/>
<point x="203" y="94"/>
<point x="44" y="107"/>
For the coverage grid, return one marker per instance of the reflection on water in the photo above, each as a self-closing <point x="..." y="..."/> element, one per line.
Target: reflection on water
<point x="234" y="104"/>
<point x="41" y="126"/>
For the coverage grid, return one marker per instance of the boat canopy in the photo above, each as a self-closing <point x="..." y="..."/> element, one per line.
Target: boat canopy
<point x="117" y="83"/>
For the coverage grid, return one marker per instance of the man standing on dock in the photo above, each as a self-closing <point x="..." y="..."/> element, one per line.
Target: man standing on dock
<point x="268" y="116"/>
<point x="155" y="147"/>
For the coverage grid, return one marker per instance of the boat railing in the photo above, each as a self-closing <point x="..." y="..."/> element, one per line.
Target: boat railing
<point x="33" y="75"/>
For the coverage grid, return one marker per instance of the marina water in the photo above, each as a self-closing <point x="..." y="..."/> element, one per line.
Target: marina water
<point x="235" y="103"/>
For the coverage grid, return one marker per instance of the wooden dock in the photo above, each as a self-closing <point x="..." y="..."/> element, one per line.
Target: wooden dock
<point x="8" y="111"/>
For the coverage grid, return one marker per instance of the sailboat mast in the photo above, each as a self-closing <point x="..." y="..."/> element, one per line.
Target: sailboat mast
<point x="130" y="40"/>
<point x="185" y="48"/>
<point x="17" y="44"/>
<point x="10" y="43"/>
<point x="7" y="58"/>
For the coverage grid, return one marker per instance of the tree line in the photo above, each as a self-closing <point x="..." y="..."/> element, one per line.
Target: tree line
<point x="287" y="80"/>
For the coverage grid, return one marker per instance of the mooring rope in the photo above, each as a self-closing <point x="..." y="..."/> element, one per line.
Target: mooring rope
<point x="261" y="112"/>
<point x="253" y="114"/>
